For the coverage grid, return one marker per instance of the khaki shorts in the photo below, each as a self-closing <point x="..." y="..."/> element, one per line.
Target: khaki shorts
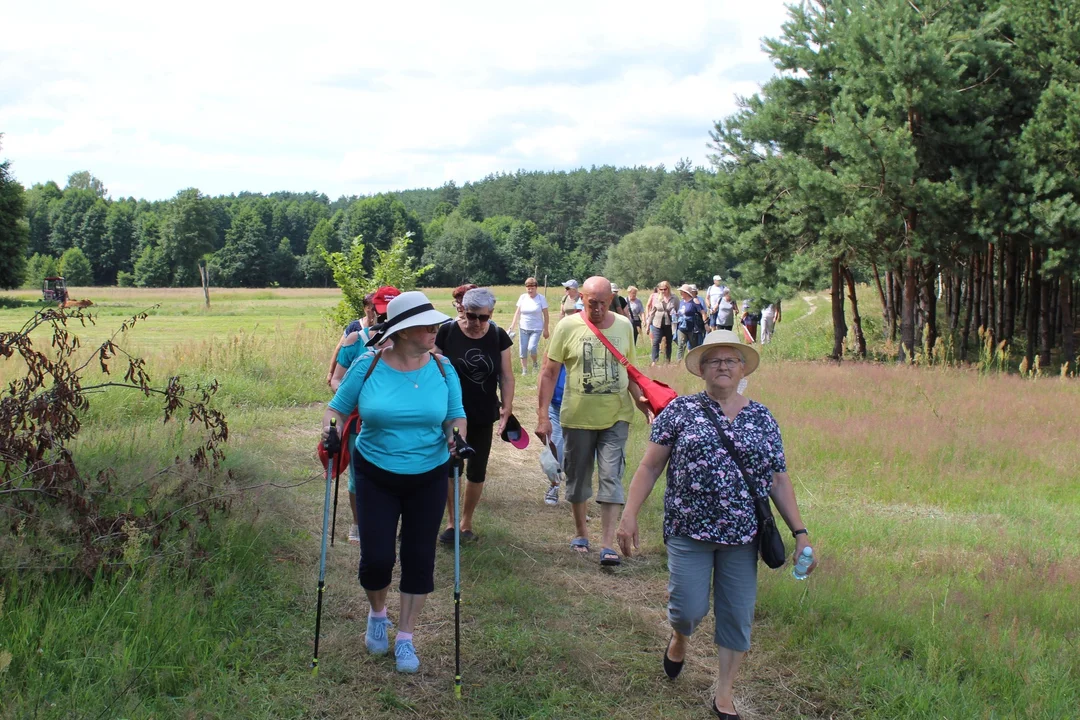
<point x="608" y="448"/>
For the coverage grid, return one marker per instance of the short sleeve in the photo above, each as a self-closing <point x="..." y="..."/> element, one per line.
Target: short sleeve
<point x="352" y="327"/>
<point x="454" y="408"/>
<point x="521" y="299"/>
<point x="774" y="445"/>
<point x="665" y="427"/>
<point x="348" y="392"/>
<point x="504" y="340"/>
<point x="557" y="347"/>
<point x="350" y="350"/>
<point x="542" y="302"/>
<point x="442" y="336"/>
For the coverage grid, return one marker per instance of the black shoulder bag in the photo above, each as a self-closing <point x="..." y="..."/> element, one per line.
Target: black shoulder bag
<point x="770" y="544"/>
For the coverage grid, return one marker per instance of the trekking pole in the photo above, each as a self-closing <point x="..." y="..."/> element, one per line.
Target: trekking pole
<point x="333" y="518"/>
<point x="332" y="445"/>
<point x="463" y="451"/>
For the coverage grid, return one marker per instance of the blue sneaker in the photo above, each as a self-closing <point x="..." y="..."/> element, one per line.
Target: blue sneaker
<point x="407" y="662"/>
<point x="375" y="638"/>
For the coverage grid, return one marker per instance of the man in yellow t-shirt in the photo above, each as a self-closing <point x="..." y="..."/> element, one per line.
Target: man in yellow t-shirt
<point x="597" y="407"/>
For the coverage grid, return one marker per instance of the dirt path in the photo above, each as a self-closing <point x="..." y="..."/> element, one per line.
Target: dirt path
<point x="513" y="499"/>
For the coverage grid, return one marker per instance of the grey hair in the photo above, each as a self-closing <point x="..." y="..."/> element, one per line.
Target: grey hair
<point x="478" y="299"/>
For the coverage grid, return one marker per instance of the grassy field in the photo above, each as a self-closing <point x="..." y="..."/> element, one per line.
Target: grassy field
<point x="944" y="505"/>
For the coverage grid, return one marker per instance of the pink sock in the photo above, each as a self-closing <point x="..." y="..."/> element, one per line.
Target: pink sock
<point x="379" y="614"/>
<point x="402" y="637"/>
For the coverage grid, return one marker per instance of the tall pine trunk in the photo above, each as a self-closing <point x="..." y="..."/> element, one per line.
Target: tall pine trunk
<point x="1031" y="322"/>
<point x="890" y="304"/>
<point x="860" y="339"/>
<point x="907" y="309"/>
<point x="978" y="290"/>
<point x="839" y="326"/>
<point x="988" y="285"/>
<point x="1000" y="327"/>
<point x="1068" y="338"/>
<point x="930" y="301"/>
<point x="968" y="296"/>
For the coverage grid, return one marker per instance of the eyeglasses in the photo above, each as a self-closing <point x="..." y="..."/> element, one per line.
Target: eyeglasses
<point x="715" y="363"/>
<point x="477" y="318"/>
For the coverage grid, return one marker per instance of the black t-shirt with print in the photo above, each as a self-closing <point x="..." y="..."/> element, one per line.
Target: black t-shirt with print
<point x="478" y="364"/>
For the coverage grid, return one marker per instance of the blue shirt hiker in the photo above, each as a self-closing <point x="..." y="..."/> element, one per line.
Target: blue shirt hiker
<point x="401" y="413"/>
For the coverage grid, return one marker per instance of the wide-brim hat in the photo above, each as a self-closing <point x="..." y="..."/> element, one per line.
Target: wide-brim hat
<point x="514" y="434"/>
<point x="407" y="310"/>
<point x="722" y="338"/>
<point x="382" y="297"/>
<point x="688" y="289"/>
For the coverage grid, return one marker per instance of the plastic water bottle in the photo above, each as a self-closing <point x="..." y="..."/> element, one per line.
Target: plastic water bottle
<point x="806" y="559"/>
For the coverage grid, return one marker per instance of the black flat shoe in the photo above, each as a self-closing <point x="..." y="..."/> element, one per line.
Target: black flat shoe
<point x="723" y="715"/>
<point x="672" y="668"/>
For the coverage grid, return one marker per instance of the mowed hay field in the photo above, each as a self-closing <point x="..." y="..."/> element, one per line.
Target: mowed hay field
<point x="944" y="505"/>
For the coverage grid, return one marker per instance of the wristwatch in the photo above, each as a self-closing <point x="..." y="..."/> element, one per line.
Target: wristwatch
<point x="797" y="533"/>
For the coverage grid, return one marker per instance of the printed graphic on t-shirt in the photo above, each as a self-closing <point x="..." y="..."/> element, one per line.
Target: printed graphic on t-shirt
<point x="599" y="368"/>
<point x="475" y="366"/>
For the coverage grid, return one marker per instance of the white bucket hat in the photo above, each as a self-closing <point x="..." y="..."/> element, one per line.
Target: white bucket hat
<point x="407" y="310"/>
<point x="722" y="338"/>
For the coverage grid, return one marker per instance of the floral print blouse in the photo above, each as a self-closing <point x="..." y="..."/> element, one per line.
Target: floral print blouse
<point x="705" y="499"/>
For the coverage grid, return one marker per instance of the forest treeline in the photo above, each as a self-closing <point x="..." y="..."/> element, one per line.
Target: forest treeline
<point x="930" y="149"/>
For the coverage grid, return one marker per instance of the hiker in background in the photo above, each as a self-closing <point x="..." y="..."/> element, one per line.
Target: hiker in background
<point x="598" y="405"/>
<point x="724" y="314"/>
<point x="555" y="440"/>
<point x="662" y="310"/>
<point x="710" y="525"/>
<point x="480" y="353"/>
<point x="566" y="307"/>
<point x="770" y="315"/>
<point x="409" y="402"/>
<point x="351" y="348"/>
<point x="458" y="293"/>
<point x="637" y="310"/>
<point x="690" y="316"/>
<point x="699" y="334"/>
<point x="367" y="321"/>
<point x="750" y="320"/>
<point x="532" y="311"/>
<point x="712" y="300"/>
<point x="619" y="304"/>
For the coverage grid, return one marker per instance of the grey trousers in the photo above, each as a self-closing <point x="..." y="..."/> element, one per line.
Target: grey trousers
<point x="730" y="571"/>
<point x="608" y="449"/>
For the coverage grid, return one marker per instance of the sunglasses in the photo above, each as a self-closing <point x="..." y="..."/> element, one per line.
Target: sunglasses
<point x="429" y="328"/>
<point x="477" y="318"/>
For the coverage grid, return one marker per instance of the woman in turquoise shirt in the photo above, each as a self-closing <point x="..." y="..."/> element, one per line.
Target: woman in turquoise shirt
<point x="409" y="401"/>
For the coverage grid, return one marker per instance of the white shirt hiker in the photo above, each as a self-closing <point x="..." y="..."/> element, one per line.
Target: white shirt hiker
<point x="532" y="312"/>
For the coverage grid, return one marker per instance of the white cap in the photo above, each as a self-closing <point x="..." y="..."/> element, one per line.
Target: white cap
<point x="716" y="278"/>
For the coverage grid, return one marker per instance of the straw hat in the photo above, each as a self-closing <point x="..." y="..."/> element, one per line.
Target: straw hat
<point x="722" y="338"/>
<point x="688" y="289"/>
<point x="409" y="309"/>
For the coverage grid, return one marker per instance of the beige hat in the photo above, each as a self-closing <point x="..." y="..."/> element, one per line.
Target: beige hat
<point x="614" y="287"/>
<point x="688" y="289"/>
<point x="722" y="338"/>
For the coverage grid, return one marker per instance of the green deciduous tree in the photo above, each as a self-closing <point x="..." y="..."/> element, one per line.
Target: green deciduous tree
<point x="14" y="229"/>
<point x="39" y="267"/>
<point x="76" y="268"/>
<point x="188" y="232"/>
<point x="646" y="257"/>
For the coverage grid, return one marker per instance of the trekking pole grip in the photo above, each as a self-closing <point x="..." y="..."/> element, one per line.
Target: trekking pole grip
<point x="332" y="442"/>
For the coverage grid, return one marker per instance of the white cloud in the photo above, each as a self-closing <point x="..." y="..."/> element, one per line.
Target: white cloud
<point x="346" y="98"/>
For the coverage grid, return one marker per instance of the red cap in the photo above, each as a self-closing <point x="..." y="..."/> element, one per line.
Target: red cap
<point x="383" y="296"/>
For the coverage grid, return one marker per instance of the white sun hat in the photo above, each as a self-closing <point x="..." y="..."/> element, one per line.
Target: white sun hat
<point x="407" y="310"/>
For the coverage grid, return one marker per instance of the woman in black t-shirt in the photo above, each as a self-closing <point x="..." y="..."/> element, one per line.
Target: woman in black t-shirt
<point x="480" y="352"/>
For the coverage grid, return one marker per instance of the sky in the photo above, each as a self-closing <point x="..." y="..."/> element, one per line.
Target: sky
<point x="354" y="98"/>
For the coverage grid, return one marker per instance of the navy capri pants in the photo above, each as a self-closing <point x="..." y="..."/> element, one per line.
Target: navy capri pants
<point x="418" y="500"/>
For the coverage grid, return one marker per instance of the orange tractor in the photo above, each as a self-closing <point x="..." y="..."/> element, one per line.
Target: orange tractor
<point x="54" y="289"/>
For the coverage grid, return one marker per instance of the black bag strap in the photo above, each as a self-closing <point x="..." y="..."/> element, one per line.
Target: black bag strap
<point x="728" y="445"/>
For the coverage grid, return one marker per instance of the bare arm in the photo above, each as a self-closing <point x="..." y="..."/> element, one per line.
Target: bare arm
<point x="514" y="322"/>
<point x="546" y="323"/>
<point x="783" y="496"/>
<point x="333" y="364"/>
<point x="652" y="464"/>
<point x="506" y="388"/>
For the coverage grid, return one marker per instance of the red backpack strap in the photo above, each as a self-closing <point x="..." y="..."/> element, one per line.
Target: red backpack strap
<point x="607" y="343"/>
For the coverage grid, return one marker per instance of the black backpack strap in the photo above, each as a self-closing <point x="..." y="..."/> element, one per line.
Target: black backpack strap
<point x="371" y="367"/>
<point x="728" y="445"/>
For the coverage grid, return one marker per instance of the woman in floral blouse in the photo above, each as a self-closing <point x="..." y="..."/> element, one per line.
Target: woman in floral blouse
<point x="709" y="524"/>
